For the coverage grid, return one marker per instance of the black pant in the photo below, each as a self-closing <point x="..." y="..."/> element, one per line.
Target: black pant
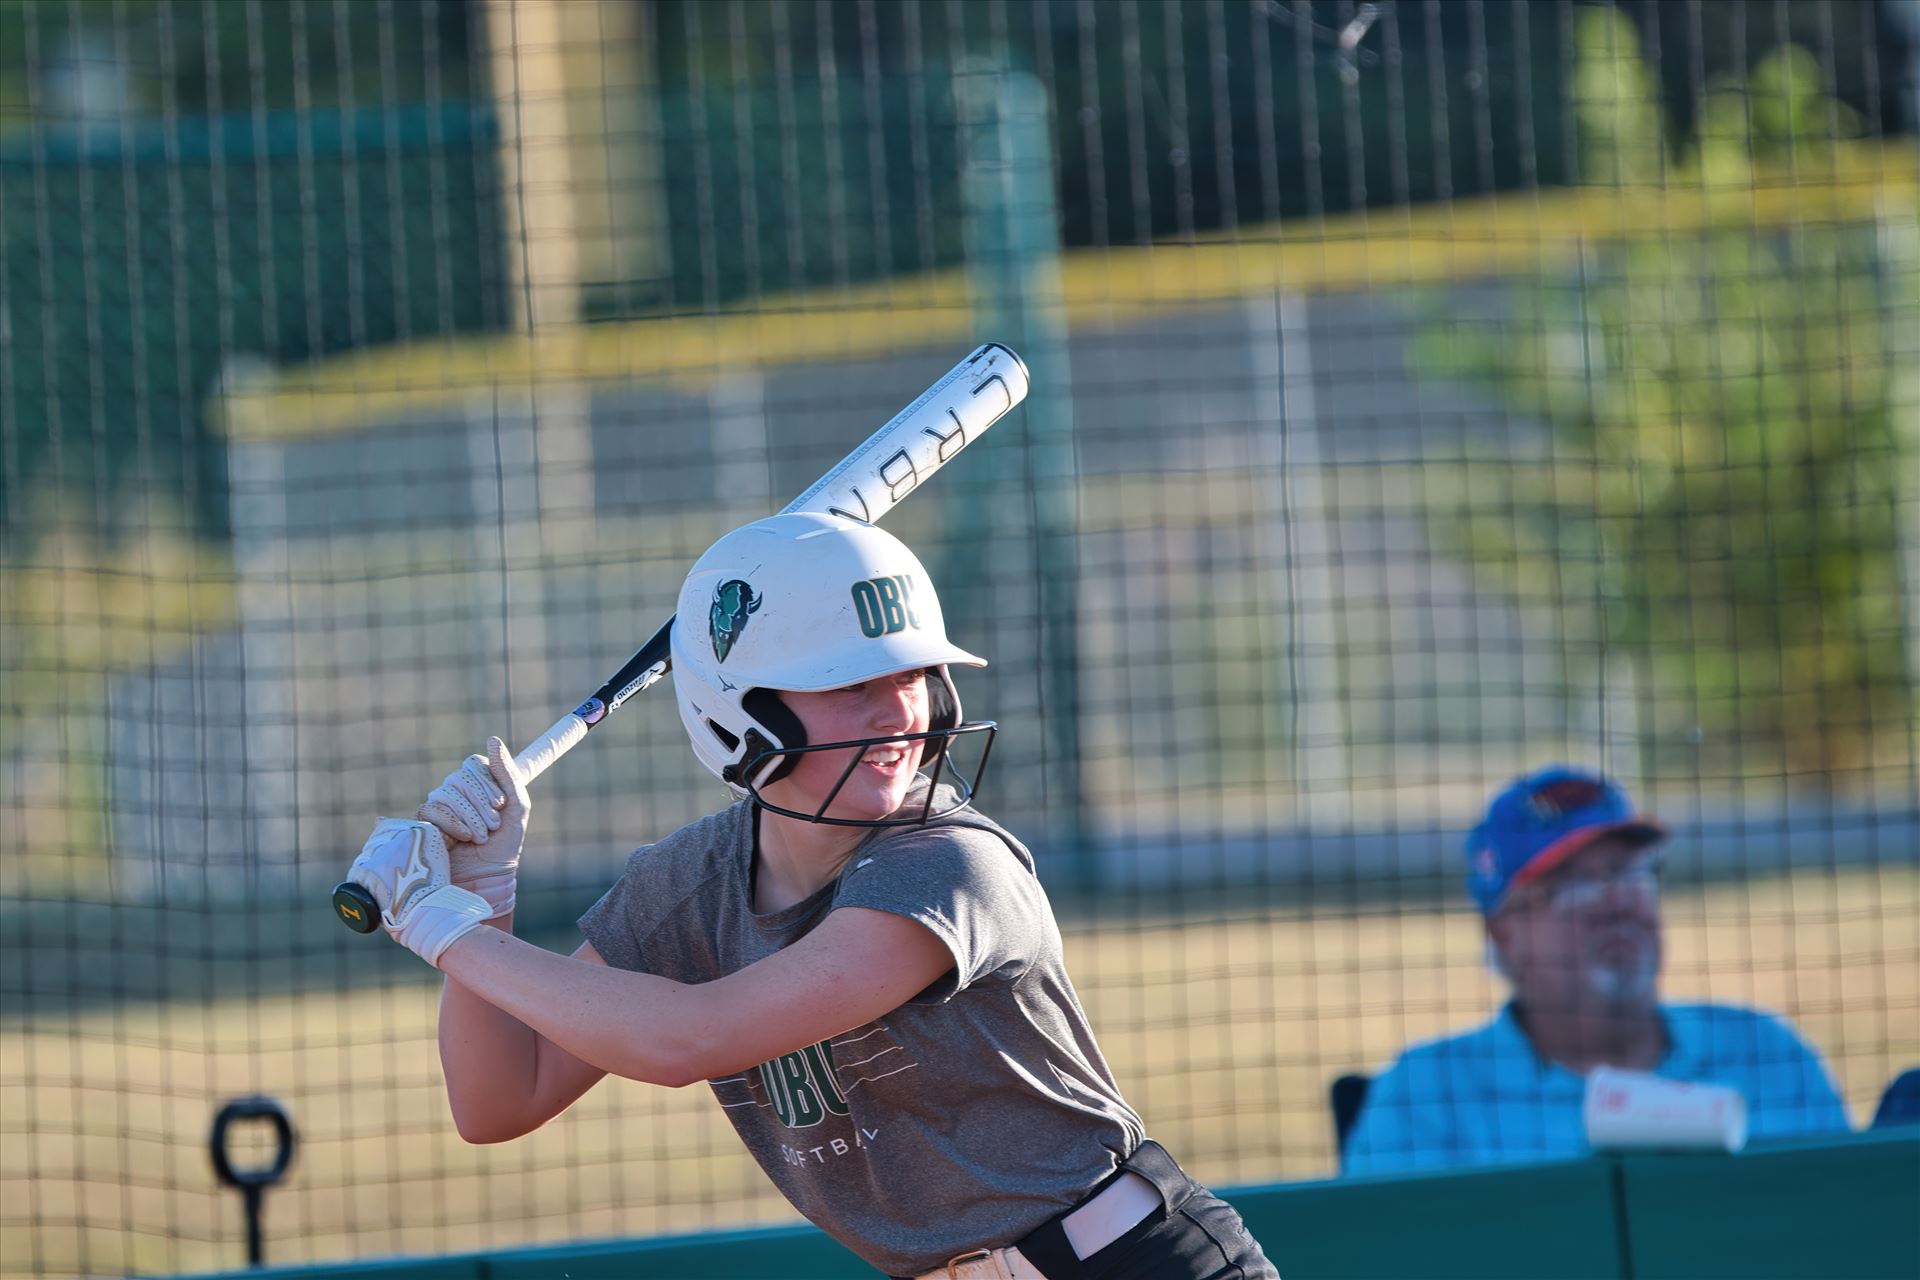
<point x="1204" y="1239"/>
<point x="1195" y="1235"/>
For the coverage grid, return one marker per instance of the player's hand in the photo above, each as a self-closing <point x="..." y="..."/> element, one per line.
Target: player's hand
<point x="482" y="810"/>
<point x="405" y="866"/>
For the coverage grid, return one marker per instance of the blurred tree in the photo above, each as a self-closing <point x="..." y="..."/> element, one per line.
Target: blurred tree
<point x="1728" y="434"/>
<point x="1864" y="49"/>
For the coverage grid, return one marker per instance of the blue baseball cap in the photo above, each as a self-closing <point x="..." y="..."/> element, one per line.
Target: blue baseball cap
<point x="1541" y="820"/>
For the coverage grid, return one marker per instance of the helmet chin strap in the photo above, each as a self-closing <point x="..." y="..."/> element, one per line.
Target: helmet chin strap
<point x="751" y="749"/>
<point x="783" y="730"/>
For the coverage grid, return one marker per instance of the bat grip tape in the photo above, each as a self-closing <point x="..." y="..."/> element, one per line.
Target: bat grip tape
<point x="563" y="737"/>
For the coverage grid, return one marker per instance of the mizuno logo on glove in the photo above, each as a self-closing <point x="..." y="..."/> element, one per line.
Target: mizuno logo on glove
<point x="417" y="875"/>
<point x="404" y="866"/>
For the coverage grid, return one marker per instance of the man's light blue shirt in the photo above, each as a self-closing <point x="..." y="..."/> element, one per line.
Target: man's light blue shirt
<point x="1485" y="1097"/>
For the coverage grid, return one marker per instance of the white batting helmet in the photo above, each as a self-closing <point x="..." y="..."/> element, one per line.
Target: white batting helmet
<point x="801" y="603"/>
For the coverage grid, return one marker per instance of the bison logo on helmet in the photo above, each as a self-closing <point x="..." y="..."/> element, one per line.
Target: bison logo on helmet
<point x="733" y="602"/>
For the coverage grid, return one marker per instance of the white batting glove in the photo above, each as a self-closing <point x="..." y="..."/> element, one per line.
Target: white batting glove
<point x="404" y="865"/>
<point x="482" y="810"/>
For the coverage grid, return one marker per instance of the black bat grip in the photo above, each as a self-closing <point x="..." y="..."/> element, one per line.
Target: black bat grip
<point x="355" y="906"/>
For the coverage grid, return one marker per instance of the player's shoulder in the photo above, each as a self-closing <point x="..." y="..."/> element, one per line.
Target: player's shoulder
<point x="968" y="836"/>
<point x="694" y="853"/>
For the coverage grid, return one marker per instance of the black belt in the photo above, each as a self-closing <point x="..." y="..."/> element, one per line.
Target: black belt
<point x="1047" y="1246"/>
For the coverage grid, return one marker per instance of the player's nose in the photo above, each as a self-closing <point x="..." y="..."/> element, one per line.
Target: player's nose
<point x="893" y="706"/>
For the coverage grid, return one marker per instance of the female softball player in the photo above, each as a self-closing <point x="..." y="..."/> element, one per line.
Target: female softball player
<point x="864" y="968"/>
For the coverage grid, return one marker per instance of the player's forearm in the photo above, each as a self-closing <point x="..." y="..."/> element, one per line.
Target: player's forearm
<point x="503" y="1078"/>
<point x="635" y="1025"/>
<point x="491" y="1061"/>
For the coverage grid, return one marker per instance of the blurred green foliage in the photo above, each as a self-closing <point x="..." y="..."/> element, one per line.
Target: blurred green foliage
<point x="811" y="142"/>
<point x="1718" y="503"/>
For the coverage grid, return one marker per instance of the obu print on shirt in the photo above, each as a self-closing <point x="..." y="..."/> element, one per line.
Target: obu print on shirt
<point x="806" y="1086"/>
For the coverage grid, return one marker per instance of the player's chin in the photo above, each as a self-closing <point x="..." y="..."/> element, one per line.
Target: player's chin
<point x="871" y="798"/>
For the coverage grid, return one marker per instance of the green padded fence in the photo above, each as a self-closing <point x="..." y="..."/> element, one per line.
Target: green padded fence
<point x="1846" y="1210"/>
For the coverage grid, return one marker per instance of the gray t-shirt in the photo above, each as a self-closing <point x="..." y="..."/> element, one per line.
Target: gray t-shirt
<point x="963" y="1119"/>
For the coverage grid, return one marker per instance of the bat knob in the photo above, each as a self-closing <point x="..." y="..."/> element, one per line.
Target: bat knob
<point x="355" y="907"/>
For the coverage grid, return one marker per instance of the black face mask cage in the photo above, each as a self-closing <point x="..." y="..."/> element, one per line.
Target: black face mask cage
<point x="759" y="753"/>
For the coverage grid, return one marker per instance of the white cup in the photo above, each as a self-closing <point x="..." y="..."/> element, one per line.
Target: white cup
<point x="1631" y="1110"/>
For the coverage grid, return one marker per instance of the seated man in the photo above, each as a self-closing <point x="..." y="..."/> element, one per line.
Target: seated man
<point x="1567" y="877"/>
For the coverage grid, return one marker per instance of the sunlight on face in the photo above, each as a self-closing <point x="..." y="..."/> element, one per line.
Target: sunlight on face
<point x="1589" y="931"/>
<point x="878" y="785"/>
